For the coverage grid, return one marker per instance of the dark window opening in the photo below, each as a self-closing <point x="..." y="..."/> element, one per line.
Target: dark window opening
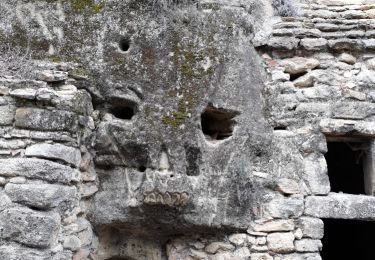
<point x="348" y="239"/>
<point x="124" y="44"/>
<point x="345" y="167"/>
<point x="123" y="112"/>
<point x="218" y="123"/>
<point x="293" y="77"/>
<point x="279" y="128"/>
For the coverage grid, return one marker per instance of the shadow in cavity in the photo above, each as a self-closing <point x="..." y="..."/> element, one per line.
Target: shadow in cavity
<point x="345" y="168"/>
<point x="348" y="240"/>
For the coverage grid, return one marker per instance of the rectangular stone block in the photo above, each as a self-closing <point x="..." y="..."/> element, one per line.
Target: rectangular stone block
<point x="344" y="127"/>
<point x="46" y="120"/>
<point x="14" y="251"/>
<point x="38" y="169"/>
<point x="7" y="114"/>
<point x="341" y="206"/>
<point x="315" y="174"/>
<point x="353" y="110"/>
<point x="29" y="227"/>
<point x="55" y="151"/>
<point x="43" y="196"/>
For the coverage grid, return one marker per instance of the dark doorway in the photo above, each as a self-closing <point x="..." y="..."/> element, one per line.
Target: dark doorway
<point x="345" y="167"/>
<point x="348" y="240"/>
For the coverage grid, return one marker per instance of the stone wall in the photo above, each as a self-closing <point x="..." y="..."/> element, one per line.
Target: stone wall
<point x="181" y="130"/>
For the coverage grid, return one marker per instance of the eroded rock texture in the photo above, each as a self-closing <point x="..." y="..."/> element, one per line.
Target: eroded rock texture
<point x="180" y="129"/>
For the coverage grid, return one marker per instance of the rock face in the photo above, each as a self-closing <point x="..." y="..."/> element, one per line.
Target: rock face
<point x="180" y="129"/>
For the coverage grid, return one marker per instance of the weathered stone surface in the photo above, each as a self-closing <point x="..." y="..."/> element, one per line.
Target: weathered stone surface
<point x="38" y="169"/>
<point x="43" y="196"/>
<point x="29" y="227"/>
<point x="343" y="127"/>
<point x="52" y="76"/>
<point x="261" y="256"/>
<point x="288" y="186"/>
<point x="25" y="93"/>
<point x="347" y="58"/>
<point x="72" y="242"/>
<point x="55" y="151"/>
<point x="274" y="225"/>
<point x="17" y="252"/>
<point x="341" y="206"/>
<point x="299" y="65"/>
<point x="281" y="242"/>
<point x="311" y="227"/>
<point x="216" y="246"/>
<point x="7" y="114"/>
<point x="46" y="120"/>
<point x="286" y="207"/>
<point x="308" y="245"/>
<point x="316" y="175"/>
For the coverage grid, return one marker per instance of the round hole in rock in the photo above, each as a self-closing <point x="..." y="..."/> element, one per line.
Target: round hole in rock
<point x="123" y="112"/>
<point x="142" y="168"/>
<point x="124" y="44"/>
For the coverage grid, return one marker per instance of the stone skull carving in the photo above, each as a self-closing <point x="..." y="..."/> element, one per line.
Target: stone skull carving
<point x="182" y="123"/>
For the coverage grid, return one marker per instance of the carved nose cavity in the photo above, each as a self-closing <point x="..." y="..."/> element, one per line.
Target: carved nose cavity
<point x="164" y="162"/>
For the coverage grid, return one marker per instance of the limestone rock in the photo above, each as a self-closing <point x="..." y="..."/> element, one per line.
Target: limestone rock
<point x="29" y="227"/>
<point x="308" y="245"/>
<point x="43" y="196"/>
<point x="52" y="76"/>
<point x="286" y="207"/>
<point x="38" y="169"/>
<point x="55" y="151"/>
<point x="281" y="242"/>
<point x="316" y="174"/>
<point x="299" y="65"/>
<point x="214" y="247"/>
<point x="311" y="227"/>
<point x="347" y="58"/>
<point x="14" y="251"/>
<point x="25" y="93"/>
<point x="41" y="119"/>
<point x="288" y="186"/>
<point x="72" y="242"/>
<point x="342" y="206"/>
<point x="274" y="225"/>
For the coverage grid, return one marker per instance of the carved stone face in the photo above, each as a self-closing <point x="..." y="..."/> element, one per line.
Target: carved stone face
<point x="182" y="127"/>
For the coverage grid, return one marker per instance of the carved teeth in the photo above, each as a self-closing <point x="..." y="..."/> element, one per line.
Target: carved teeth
<point x="171" y="199"/>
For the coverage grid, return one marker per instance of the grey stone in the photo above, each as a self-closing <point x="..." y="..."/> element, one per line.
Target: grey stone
<point x="274" y="225"/>
<point x="353" y="110"/>
<point x="288" y="186"/>
<point x="314" y="44"/>
<point x="290" y="207"/>
<point x="7" y="114"/>
<point x="298" y="65"/>
<point x="283" y="43"/>
<point x="29" y="227"/>
<point x="311" y="227"/>
<point x="41" y="119"/>
<point x="14" y="251"/>
<point x="38" y="169"/>
<point x="281" y="242"/>
<point x="347" y="58"/>
<point x="43" y="196"/>
<point x="346" y="44"/>
<point x="52" y="76"/>
<point x="308" y="245"/>
<point x="24" y="93"/>
<point x="72" y="242"/>
<point x="261" y="256"/>
<point x="214" y="247"/>
<point x="55" y="151"/>
<point x="341" y="206"/>
<point x="315" y="174"/>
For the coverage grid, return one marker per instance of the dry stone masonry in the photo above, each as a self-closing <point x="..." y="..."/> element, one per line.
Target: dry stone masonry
<point x="202" y="130"/>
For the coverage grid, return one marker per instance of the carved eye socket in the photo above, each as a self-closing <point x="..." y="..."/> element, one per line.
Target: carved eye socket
<point x="217" y="123"/>
<point x="125" y="112"/>
<point x="124" y="44"/>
